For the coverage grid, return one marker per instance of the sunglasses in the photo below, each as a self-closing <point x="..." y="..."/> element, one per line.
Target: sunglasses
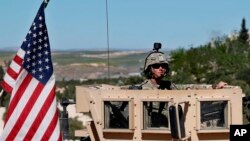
<point x="157" y="66"/>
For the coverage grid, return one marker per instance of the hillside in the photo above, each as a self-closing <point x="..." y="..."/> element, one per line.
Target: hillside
<point x="92" y="64"/>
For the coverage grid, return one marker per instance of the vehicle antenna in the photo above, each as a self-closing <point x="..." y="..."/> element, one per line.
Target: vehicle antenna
<point x="107" y="26"/>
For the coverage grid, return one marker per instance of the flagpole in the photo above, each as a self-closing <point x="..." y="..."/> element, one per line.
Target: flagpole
<point x="1" y="92"/>
<point x="46" y="2"/>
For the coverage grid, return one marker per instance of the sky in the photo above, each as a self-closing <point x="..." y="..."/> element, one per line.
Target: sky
<point x="130" y="24"/>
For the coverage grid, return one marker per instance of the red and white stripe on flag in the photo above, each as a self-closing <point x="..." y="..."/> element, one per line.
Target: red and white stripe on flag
<point x="32" y="113"/>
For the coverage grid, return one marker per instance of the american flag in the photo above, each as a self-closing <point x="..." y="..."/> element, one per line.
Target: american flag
<point x="32" y="113"/>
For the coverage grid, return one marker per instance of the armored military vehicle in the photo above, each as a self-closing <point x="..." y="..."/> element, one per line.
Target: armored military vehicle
<point x="192" y="113"/>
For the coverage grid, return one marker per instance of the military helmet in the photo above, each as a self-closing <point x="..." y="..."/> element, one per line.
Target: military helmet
<point x="155" y="57"/>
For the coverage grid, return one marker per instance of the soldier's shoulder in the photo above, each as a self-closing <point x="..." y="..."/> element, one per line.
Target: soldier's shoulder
<point x="146" y="84"/>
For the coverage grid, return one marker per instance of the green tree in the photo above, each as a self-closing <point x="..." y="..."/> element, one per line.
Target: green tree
<point x="243" y="34"/>
<point x="4" y="99"/>
<point x="74" y="124"/>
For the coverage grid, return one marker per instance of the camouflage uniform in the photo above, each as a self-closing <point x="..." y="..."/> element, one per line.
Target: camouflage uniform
<point x="164" y="85"/>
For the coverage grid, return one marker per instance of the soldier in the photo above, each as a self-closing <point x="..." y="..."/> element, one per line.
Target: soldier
<point x="155" y="69"/>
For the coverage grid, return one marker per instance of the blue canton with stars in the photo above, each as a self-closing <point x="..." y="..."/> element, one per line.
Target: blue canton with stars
<point x="37" y="59"/>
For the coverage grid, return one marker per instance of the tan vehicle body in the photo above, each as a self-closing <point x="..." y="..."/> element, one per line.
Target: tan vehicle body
<point x="196" y="120"/>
